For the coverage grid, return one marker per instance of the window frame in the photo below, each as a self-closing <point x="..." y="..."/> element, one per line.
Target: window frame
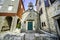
<point x="10" y="7"/>
<point x="0" y="7"/>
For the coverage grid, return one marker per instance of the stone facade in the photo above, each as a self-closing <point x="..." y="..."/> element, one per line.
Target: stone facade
<point x="41" y="10"/>
<point x="4" y="23"/>
<point x="29" y="16"/>
<point x="10" y="11"/>
<point x="49" y="15"/>
<point x="54" y="14"/>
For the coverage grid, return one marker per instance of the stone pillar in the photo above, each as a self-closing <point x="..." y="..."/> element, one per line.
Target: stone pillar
<point x="14" y="22"/>
<point x="1" y="22"/>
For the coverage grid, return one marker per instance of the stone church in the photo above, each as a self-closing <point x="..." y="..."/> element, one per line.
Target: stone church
<point x="29" y="19"/>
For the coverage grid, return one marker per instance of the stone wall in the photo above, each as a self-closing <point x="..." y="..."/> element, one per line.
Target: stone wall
<point x="4" y="23"/>
<point x="52" y="11"/>
<point x="44" y="17"/>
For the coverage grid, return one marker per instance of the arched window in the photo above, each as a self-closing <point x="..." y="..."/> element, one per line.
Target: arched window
<point x="18" y="24"/>
<point x="9" y="20"/>
<point x="7" y="23"/>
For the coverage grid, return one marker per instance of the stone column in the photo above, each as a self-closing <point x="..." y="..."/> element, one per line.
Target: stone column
<point x="14" y="22"/>
<point x="1" y="22"/>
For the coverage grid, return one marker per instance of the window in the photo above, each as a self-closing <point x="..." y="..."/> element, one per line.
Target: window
<point x="1" y="1"/>
<point x="10" y="8"/>
<point x="52" y="1"/>
<point x="12" y="0"/>
<point x="43" y="24"/>
<point x="41" y="11"/>
<point x="0" y="7"/>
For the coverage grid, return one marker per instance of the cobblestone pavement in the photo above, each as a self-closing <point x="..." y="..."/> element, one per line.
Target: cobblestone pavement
<point x="29" y="36"/>
<point x="26" y="36"/>
<point x="12" y="36"/>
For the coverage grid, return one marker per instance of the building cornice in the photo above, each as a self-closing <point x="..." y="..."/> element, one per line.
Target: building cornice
<point x="8" y="14"/>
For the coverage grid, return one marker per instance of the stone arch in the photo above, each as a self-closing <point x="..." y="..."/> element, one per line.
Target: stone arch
<point x="18" y="23"/>
<point x="7" y="23"/>
<point x="9" y="20"/>
<point x="18" y="20"/>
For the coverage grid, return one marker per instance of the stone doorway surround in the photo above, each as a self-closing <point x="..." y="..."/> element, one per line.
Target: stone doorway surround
<point x="30" y="25"/>
<point x="27" y="24"/>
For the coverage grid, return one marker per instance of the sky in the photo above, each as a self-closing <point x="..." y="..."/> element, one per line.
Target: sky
<point x="26" y="2"/>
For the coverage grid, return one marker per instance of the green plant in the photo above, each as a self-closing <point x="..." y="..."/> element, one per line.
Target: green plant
<point x="18" y="25"/>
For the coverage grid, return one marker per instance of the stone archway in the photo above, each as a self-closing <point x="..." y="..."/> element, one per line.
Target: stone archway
<point x="9" y="20"/>
<point x="18" y="24"/>
<point x="7" y="23"/>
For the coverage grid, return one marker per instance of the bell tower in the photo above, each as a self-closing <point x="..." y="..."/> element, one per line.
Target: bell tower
<point x="30" y="6"/>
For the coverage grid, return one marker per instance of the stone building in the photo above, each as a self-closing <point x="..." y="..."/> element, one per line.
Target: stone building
<point x="49" y="11"/>
<point x="30" y="19"/>
<point x="53" y="13"/>
<point x="10" y="11"/>
<point x="40" y="5"/>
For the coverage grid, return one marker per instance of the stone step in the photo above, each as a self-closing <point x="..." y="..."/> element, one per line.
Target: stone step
<point x="29" y="36"/>
<point x="30" y="31"/>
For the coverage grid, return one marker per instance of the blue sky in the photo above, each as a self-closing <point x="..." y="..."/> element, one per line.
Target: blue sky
<point x="26" y="2"/>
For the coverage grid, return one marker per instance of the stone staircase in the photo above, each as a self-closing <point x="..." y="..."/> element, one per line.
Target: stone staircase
<point x="30" y="31"/>
<point x="29" y="35"/>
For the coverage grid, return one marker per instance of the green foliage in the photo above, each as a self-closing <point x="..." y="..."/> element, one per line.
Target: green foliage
<point x="18" y="25"/>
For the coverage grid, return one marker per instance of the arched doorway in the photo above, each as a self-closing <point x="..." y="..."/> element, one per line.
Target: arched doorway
<point x="18" y="24"/>
<point x="7" y="23"/>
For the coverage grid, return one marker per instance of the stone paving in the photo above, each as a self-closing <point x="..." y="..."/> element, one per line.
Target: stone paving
<point x="26" y="36"/>
<point x="12" y="36"/>
<point x="29" y="36"/>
